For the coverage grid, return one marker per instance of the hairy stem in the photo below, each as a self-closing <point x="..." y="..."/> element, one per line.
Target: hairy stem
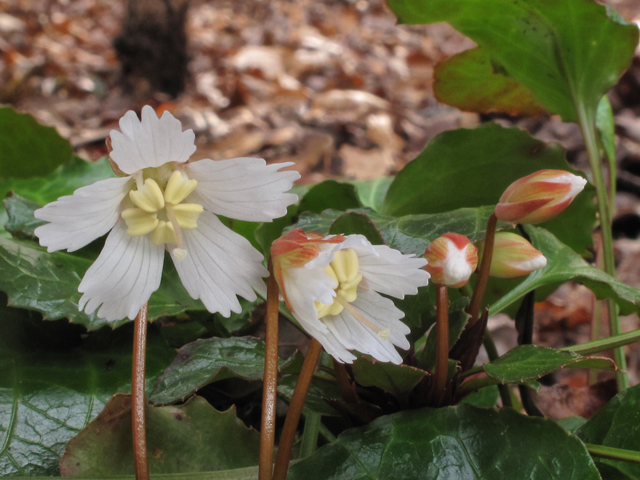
<point x="483" y="273"/>
<point x="288" y="436"/>
<point x="442" y="344"/>
<point x="268" y="427"/>
<point x="587" y="125"/>
<point x="138" y="400"/>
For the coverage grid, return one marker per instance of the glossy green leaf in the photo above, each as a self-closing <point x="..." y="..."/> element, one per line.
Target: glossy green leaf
<point x="398" y="380"/>
<point x="48" y="283"/>
<point x="563" y="265"/>
<point x="471" y="82"/>
<point x="53" y="382"/>
<point x="486" y="397"/>
<point x="372" y="192"/>
<point x="28" y="148"/>
<point x="319" y="390"/>
<point x="616" y="425"/>
<point x="568" y="53"/>
<point x="204" y="361"/>
<point x="410" y="234"/>
<point x="356" y="223"/>
<point x="193" y="437"/>
<point x="471" y="168"/>
<point x="21" y="222"/>
<point x="451" y="443"/>
<point x="329" y="195"/>
<point x="63" y="181"/>
<point x="530" y="362"/>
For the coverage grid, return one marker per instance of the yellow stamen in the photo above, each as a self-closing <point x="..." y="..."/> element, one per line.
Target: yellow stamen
<point x="163" y="233"/>
<point x="187" y="214"/>
<point x="139" y="222"/>
<point x="178" y="188"/>
<point x="149" y="197"/>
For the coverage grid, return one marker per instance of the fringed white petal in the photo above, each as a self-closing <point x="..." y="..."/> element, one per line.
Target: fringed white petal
<point x="390" y="272"/>
<point x="353" y="335"/>
<point x="382" y="312"/>
<point x="77" y="220"/>
<point x="243" y="188"/>
<point x="220" y="264"/>
<point x="123" y="277"/>
<point x="151" y="142"/>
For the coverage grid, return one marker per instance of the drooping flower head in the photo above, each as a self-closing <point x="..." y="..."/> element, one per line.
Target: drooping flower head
<point x="452" y="259"/>
<point x="513" y="256"/>
<point x="538" y="197"/>
<point x="163" y="202"/>
<point x="333" y="284"/>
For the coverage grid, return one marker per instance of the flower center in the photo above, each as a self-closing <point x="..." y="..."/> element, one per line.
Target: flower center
<point x="162" y="213"/>
<point x="344" y="270"/>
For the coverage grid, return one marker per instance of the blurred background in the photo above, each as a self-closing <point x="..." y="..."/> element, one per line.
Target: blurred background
<point x="332" y="85"/>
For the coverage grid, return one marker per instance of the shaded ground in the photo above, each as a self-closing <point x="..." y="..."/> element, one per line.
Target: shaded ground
<point x="334" y="86"/>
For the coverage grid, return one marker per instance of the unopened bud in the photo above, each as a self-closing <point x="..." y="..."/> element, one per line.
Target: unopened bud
<point x="513" y="256"/>
<point x="538" y="197"/>
<point x="452" y="259"/>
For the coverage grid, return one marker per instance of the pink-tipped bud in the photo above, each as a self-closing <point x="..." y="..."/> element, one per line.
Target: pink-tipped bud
<point x="452" y="259"/>
<point x="514" y="256"/>
<point x="538" y="197"/>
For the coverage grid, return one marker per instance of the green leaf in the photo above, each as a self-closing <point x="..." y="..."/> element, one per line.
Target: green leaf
<point x="471" y="82"/>
<point x="451" y="443"/>
<point x="616" y="425"/>
<point x="193" y="437"/>
<point x="563" y="265"/>
<point x="54" y="382"/>
<point x="530" y="362"/>
<point x="568" y="53"/>
<point x="319" y="389"/>
<point x="355" y="222"/>
<point x="62" y="181"/>
<point x="606" y="127"/>
<point x="28" y="268"/>
<point x="21" y="221"/>
<point x="471" y="168"/>
<point x="329" y="195"/>
<point x="410" y="234"/>
<point x="269" y="232"/>
<point x="372" y="192"/>
<point x="204" y="361"/>
<point x="486" y="397"/>
<point x="398" y="380"/>
<point x="28" y="148"/>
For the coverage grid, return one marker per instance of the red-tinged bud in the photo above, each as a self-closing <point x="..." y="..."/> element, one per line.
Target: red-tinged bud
<point x="452" y="259"/>
<point x="514" y="256"/>
<point x="295" y="249"/>
<point x="538" y="197"/>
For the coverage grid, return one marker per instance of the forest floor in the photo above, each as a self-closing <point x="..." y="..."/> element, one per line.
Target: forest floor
<point x="334" y="86"/>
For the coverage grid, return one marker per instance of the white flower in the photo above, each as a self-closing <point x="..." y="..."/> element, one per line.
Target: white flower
<point x="165" y="202"/>
<point x="333" y="285"/>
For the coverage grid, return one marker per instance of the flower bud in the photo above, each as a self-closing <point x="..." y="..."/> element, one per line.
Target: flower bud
<point x="538" y="197"/>
<point x="452" y="259"/>
<point x="514" y="256"/>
